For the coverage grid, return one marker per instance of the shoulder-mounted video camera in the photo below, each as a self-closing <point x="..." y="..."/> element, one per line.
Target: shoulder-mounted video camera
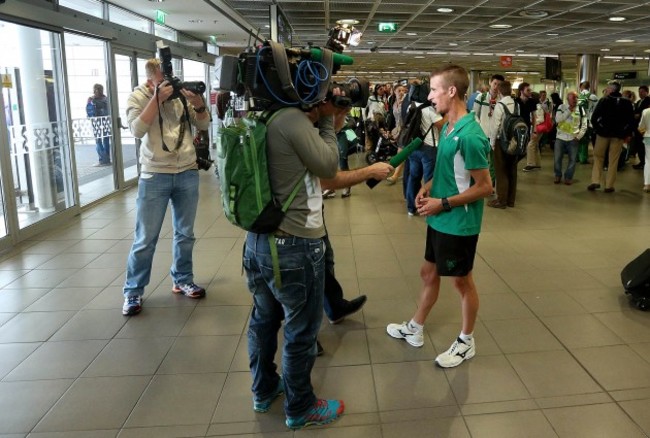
<point x="167" y="69"/>
<point x="272" y="76"/>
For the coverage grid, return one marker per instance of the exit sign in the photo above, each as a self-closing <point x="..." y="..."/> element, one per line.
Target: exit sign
<point x="387" y="27"/>
<point x="160" y="16"/>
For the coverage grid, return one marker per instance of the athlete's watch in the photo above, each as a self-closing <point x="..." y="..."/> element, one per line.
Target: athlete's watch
<point x="445" y="204"/>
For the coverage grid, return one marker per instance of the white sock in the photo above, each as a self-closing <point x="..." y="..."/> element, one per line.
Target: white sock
<point x="414" y="325"/>
<point x="466" y="338"/>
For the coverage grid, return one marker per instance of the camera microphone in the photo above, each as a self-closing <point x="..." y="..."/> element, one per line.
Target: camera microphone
<point x="398" y="159"/>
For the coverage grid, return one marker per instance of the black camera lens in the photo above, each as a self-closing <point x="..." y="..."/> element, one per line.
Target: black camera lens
<point x="196" y="87"/>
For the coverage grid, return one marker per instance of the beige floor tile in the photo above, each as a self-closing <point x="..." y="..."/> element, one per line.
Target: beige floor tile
<point x="503" y="306"/>
<point x="198" y="430"/>
<point x="33" y="326"/>
<point x="23" y="261"/>
<point x="411" y="385"/>
<point x="551" y="303"/>
<point x="70" y="260"/>
<point x="510" y="425"/>
<point x="73" y="412"/>
<point x="552" y="373"/>
<point x="64" y="299"/>
<point x="603" y="363"/>
<point x="352" y="384"/>
<point x="17" y="300"/>
<point x="23" y="404"/>
<point x="606" y="420"/>
<point x="630" y="325"/>
<point x="177" y="400"/>
<point x="601" y="299"/>
<point x="91" y="324"/>
<point x="219" y="320"/>
<point x="343" y="347"/>
<point x="200" y="354"/>
<point x="75" y="434"/>
<point x="379" y="313"/>
<point x="93" y="277"/>
<point x="576" y="331"/>
<point x="486" y="379"/>
<point x="522" y="335"/>
<point x="57" y="360"/>
<point x="638" y="411"/>
<point x="155" y="322"/>
<point x="236" y="404"/>
<point x="13" y="354"/>
<point x="4" y="317"/>
<point x="7" y="277"/>
<point x="437" y="428"/>
<point x="42" y="278"/>
<point x="385" y="288"/>
<point x="336" y="429"/>
<point x="130" y="357"/>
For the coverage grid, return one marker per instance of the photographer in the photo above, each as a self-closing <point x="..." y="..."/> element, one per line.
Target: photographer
<point x="168" y="173"/>
<point x="297" y="151"/>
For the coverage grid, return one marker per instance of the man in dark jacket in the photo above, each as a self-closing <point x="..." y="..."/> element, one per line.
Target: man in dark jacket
<point x="98" y="109"/>
<point x="613" y="121"/>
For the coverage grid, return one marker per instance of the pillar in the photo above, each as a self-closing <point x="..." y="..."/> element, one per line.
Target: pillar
<point x="588" y="66"/>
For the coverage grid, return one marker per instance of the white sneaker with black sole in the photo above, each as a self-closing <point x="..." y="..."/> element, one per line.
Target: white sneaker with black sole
<point x="459" y="352"/>
<point x="402" y="331"/>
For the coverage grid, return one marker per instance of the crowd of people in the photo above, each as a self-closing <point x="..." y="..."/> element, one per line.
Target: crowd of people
<point x="460" y="161"/>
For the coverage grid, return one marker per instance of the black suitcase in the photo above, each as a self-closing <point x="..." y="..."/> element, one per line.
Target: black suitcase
<point x="636" y="280"/>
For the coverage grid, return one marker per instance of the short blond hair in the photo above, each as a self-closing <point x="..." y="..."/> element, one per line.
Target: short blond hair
<point x="152" y="67"/>
<point x="454" y="75"/>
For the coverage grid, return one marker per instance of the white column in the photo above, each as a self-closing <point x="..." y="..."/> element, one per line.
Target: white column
<point x="588" y="66"/>
<point x="36" y="114"/>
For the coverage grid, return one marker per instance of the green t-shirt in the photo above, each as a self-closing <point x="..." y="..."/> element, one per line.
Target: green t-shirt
<point x="465" y="148"/>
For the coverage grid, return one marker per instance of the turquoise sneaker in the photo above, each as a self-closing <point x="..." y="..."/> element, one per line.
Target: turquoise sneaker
<point x="323" y="412"/>
<point x="265" y="405"/>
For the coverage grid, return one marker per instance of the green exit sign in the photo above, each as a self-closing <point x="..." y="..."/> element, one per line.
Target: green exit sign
<point x="160" y="16"/>
<point x="387" y="27"/>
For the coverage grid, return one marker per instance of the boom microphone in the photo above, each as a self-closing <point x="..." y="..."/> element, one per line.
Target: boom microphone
<point x="317" y="54"/>
<point x="398" y="159"/>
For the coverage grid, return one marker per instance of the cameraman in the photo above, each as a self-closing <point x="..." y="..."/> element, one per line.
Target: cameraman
<point x="297" y="151"/>
<point x="168" y="173"/>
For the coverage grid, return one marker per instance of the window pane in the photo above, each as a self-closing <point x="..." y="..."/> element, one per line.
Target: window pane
<point x="125" y="18"/>
<point x="90" y="7"/>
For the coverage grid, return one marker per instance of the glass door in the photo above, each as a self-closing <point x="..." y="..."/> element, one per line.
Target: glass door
<point x="34" y="98"/>
<point x="129" y="72"/>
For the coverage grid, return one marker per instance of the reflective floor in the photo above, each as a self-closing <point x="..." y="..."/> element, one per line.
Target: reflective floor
<point x="560" y="352"/>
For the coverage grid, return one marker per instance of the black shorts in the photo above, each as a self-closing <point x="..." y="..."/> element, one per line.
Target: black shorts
<point x="453" y="255"/>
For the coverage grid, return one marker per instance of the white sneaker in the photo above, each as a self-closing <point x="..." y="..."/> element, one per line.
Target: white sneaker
<point x="458" y="352"/>
<point x="402" y="331"/>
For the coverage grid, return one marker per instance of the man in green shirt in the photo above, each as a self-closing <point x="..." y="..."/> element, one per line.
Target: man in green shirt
<point x="452" y="203"/>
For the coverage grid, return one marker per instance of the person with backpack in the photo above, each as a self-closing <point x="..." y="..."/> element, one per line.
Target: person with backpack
<point x="587" y="101"/>
<point x="505" y="165"/>
<point x="613" y="121"/>
<point x="483" y="109"/>
<point x="97" y="109"/>
<point x="571" y="127"/>
<point x="527" y="107"/>
<point x="298" y="155"/>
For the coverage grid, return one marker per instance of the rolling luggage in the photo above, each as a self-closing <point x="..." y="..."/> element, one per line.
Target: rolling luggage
<point x="636" y="280"/>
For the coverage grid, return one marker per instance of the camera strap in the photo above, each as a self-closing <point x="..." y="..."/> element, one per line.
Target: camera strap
<point x="184" y="118"/>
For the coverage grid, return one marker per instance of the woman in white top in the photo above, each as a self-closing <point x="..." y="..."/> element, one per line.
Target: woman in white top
<point x="644" y="128"/>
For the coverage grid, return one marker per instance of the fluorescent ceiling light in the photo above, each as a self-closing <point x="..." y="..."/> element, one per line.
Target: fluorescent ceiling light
<point x="445" y="10"/>
<point x="617" y="18"/>
<point x="604" y="50"/>
<point x="453" y="44"/>
<point x="411" y="33"/>
<point x="348" y="21"/>
<point x="500" y="26"/>
<point x="625" y="41"/>
<point x="533" y="13"/>
<point x="422" y="57"/>
<point x="552" y="34"/>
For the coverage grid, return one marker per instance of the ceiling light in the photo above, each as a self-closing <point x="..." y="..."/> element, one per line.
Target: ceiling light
<point x="533" y="13"/>
<point x="370" y="42"/>
<point x="604" y="50"/>
<point x="267" y="26"/>
<point x="419" y="57"/>
<point x="196" y="20"/>
<point x="445" y="10"/>
<point x="500" y="26"/>
<point x="453" y="44"/>
<point x="348" y="21"/>
<point x="411" y="33"/>
<point x="519" y="51"/>
<point x="552" y="34"/>
<point x="624" y="41"/>
<point x="647" y="50"/>
<point x="617" y="18"/>
<point x="157" y="1"/>
<point x="401" y="63"/>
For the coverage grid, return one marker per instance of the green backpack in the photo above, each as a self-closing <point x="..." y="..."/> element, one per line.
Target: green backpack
<point x="246" y="193"/>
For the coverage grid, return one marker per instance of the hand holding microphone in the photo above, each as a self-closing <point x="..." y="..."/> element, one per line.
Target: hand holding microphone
<point x="399" y="158"/>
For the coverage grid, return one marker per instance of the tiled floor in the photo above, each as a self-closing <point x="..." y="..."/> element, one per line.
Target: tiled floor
<point x="560" y="351"/>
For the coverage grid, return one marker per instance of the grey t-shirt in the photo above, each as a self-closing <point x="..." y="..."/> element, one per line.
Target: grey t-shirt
<point x="295" y="145"/>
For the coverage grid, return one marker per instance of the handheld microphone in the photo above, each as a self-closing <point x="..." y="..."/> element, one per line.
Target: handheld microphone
<point x="398" y="159"/>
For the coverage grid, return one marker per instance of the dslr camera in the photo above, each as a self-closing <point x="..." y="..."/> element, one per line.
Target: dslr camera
<point x="202" y="148"/>
<point x="196" y="87"/>
<point x="273" y="76"/>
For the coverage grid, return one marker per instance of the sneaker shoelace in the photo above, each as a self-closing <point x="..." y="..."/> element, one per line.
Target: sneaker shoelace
<point x="133" y="300"/>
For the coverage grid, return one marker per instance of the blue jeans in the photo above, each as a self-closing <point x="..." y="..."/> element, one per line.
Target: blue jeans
<point x="103" y="148"/>
<point x="155" y="190"/>
<point x="299" y="302"/>
<point x="571" y="149"/>
<point x="421" y="163"/>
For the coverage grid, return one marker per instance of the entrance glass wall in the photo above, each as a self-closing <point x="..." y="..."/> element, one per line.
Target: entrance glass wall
<point x="90" y="109"/>
<point x="35" y="111"/>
